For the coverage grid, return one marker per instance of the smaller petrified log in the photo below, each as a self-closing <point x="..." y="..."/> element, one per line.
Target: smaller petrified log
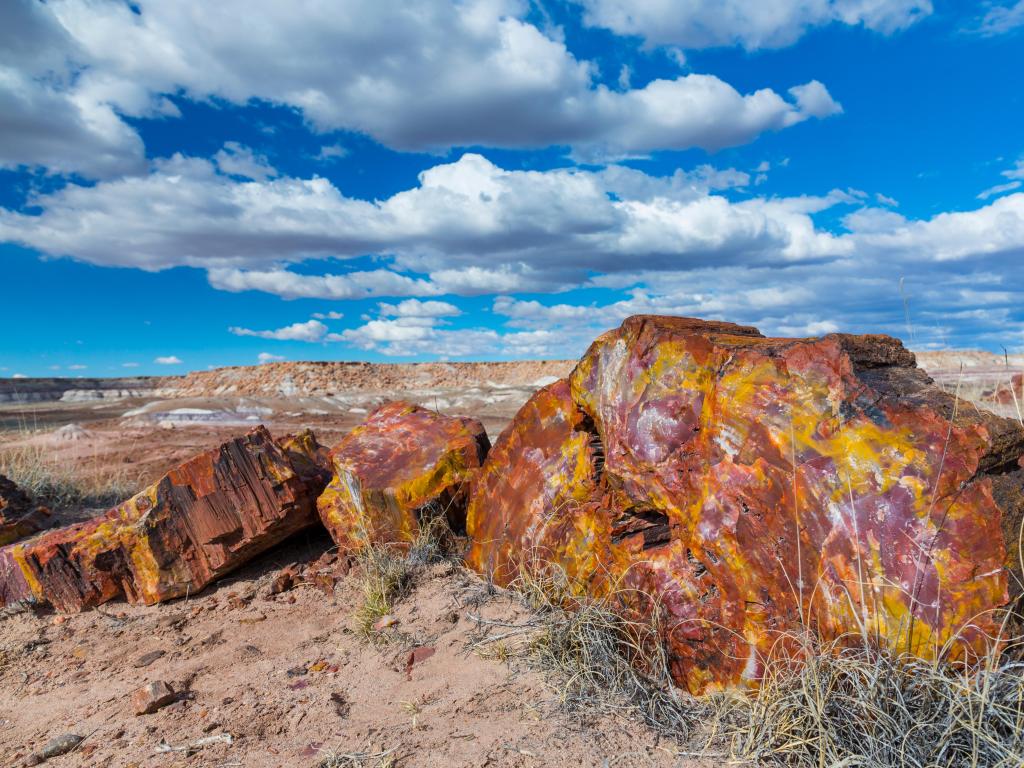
<point x="19" y="517"/>
<point x="201" y="520"/>
<point x="402" y="464"/>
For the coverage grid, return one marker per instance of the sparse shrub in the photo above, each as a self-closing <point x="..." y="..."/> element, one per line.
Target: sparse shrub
<point x="601" y="656"/>
<point x="435" y="541"/>
<point x="841" y="704"/>
<point x="386" y="576"/>
<point x="364" y="759"/>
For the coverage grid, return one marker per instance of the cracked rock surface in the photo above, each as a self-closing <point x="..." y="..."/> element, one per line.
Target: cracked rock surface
<point x="201" y="520"/>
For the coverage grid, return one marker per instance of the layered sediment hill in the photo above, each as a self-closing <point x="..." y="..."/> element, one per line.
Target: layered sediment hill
<point x="82" y="390"/>
<point x="325" y="378"/>
<point x="971" y="359"/>
<point x="987" y="379"/>
<point x="290" y="379"/>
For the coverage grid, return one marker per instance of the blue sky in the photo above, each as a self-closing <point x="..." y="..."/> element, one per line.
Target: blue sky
<point x="187" y="185"/>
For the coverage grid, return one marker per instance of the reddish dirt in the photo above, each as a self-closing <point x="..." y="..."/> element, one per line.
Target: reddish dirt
<point x="287" y="680"/>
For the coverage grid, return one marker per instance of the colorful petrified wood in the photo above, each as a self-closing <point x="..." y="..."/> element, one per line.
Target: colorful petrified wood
<point x="201" y="520"/>
<point x="308" y="458"/>
<point x="754" y="486"/>
<point x="403" y="464"/>
<point x="19" y="516"/>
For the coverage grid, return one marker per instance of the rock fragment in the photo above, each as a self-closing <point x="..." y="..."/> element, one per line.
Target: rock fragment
<point x="55" y="747"/>
<point x="151" y="697"/>
<point x="148" y="658"/>
<point x="19" y="516"/>
<point x="385" y="622"/>
<point x="285" y="580"/>
<point x="752" y="487"/>
<point x="416" y="656"/>
<point x="327" y="571"/>
<point x="404" y="465"/>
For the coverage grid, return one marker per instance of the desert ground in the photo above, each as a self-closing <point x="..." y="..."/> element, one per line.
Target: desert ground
<point x="267" y="665"/>
<point x="281" y="679"/>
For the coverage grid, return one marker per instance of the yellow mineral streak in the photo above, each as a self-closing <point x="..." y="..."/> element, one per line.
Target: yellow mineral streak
<point x="18" y="552"/>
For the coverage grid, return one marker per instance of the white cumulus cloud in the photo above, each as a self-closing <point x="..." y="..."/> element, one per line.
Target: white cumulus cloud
<point x="1001" y="19"/>
<point x="311" y="330"/>
<point x="999" y="189"/>
<point x="417" y="308"/>
<point x="234" y="159"/>
<point x="752" y="24"/>
<point x="50" y="120"/>
<point x="469" y="226"/>
<point x="432" y="75"/>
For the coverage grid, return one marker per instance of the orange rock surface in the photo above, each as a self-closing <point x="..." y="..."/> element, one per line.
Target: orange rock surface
<point x="19" y="517"/>
<point x="752" y="487"/>
<point x="201" y="520"/>
<point x="402" y="464"/>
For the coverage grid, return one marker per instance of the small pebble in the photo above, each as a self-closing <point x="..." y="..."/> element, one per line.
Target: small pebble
<point x="151" y="697"/>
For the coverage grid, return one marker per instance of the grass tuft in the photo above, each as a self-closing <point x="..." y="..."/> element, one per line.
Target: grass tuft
<point x="388" y="573"/>
<point x="837" y="704"/>
<point x="62" y="483"/>
<point x="603" y="657"/>
<point x="386" y="576"/>
<point x="854" y="705"/>
<point x="365" y="759"/>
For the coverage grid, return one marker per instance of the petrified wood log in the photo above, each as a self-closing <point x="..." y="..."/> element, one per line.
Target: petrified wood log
<point x="752" y="487"/>
<point x="19" y="516"/>
<point x="204" y="518"/>
<point x="403" y="464"/>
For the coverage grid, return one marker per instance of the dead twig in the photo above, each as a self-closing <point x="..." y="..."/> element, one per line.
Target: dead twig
<point x="221" y="738"/>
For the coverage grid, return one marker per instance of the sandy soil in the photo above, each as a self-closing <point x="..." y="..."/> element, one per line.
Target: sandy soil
<point x="285" y="681"/>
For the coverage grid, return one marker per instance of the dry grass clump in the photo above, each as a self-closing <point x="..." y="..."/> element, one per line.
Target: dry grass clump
<point x="854" y="705"/>
<point x="388" y="573"/>
<point x="602" y="657"/>
<point x="611" y="664"/>
<point x="839" y="704"/>
<point x="62" y="483"/>
<point x="365" y="759"/>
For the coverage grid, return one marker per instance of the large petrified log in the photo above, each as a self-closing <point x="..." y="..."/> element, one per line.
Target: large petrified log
<point x="19" y="516"/>
<point x="403" y="464"/>
<point x="752" y="487"/>
<point x="201" y="520"/>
